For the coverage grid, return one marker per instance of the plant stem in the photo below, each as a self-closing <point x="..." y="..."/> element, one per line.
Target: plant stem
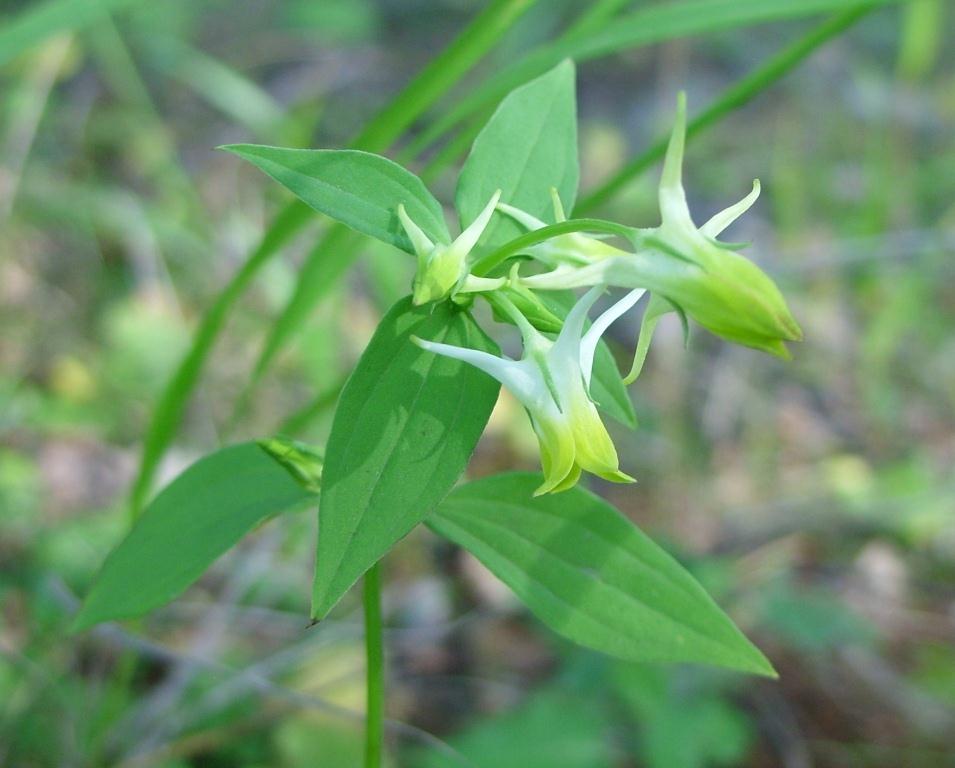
<point x="734" y="97"/>
<point x="375" y="662"/>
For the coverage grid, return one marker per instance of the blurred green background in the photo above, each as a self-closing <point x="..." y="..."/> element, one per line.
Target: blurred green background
<point x="815" y="498"/>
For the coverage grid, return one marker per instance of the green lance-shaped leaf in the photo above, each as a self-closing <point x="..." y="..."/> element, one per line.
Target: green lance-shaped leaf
<point x="359" y="189"/>
<point x="528" y="147"/>
<point x="405" y="427"/>
<point x="591" y="575"/>
<point x="191" y="522"/>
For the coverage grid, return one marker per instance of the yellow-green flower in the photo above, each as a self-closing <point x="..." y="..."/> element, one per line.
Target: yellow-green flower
<point x="552" y="381"/>
<point x="708" y="281"/>
<point x="443" y="268"/>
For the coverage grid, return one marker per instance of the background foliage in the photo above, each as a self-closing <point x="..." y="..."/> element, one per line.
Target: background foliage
<point x="814" y="498"/>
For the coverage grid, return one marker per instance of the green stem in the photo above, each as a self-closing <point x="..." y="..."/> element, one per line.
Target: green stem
<point x="375" y="659"/>
<point x="733" y="97"/>
<point x="485" y="264"/>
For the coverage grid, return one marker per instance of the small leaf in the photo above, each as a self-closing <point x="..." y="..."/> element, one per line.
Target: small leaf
<point x="359" y="189"/>
<point x="591" y="575"/>
<point x="656" y="308"/>
<point x="192" y="521"/>
<point x="405" y="427"/>
<point x="527" y="147"/>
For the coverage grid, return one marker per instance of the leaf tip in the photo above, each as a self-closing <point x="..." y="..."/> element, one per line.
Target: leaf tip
<point x="236" y="149"/>
<point x="81" y="622"/>
<point x="756" y="663"/>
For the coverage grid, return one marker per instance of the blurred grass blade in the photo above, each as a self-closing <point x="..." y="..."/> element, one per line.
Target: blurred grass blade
<point x="224" y="88"/>
<point x="733" y="98"/>
<point x="31" y="27"/>
<point x="339" y="245"/>
<point x="441" y="73"/>
<point x="923" y="29"/>
<point x="172" y="401"/>
<point x="194" y="520"/>
<point x="323" y="267"/>
<point x="120" y="70"/>
<point x="654" y="24"/>
<point x="31" y="97"/>
<point x="436" y="78"/>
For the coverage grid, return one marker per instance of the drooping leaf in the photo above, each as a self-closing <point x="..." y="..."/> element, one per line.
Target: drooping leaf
<point x="527" y="147"/>
<point x="591" y="575"/>
<point x="189" y="524"/>
<point x="405" y="427"/>
<point x="359" y="189"/>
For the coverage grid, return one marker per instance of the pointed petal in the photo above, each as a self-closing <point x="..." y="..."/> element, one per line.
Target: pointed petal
<point x="513" y="374"/>
<point x="466" y="241"/>
<point x="617" y="477"/>
<point x="723" y="219"/>
<point x="567" y="345"/>
<point x="588" y="344"/>
<point x="421" y="242"/>
<point x="594" y="450"/>
<point x="656" y="309"/>
<point x="673" y="205"/>
<point x="647" y="327"/>
<point x="521" y="217"/>
<point x="532" y="338"/>
<point x="557" y="452"/>
<point x="559" y="214"/>
<point x="672" y="176"/>
<point x="568" y="482"/>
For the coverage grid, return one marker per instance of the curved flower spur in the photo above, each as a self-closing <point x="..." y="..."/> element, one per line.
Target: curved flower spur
<point x="552" y="382"/>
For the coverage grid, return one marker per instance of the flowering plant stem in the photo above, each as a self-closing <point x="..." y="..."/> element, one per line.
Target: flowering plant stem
<point x="375" y="674"/>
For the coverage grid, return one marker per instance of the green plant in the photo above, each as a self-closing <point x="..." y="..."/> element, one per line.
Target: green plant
<point x="418" y="400"/>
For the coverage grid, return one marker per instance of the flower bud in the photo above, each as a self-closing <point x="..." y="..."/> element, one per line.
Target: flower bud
<point x="443" y="269"/>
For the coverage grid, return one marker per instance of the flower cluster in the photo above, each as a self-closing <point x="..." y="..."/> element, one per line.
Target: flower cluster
<point x="684" y="268"/>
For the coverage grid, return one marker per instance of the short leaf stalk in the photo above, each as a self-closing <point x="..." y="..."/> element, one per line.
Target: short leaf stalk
<point x="375" y="664"/>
